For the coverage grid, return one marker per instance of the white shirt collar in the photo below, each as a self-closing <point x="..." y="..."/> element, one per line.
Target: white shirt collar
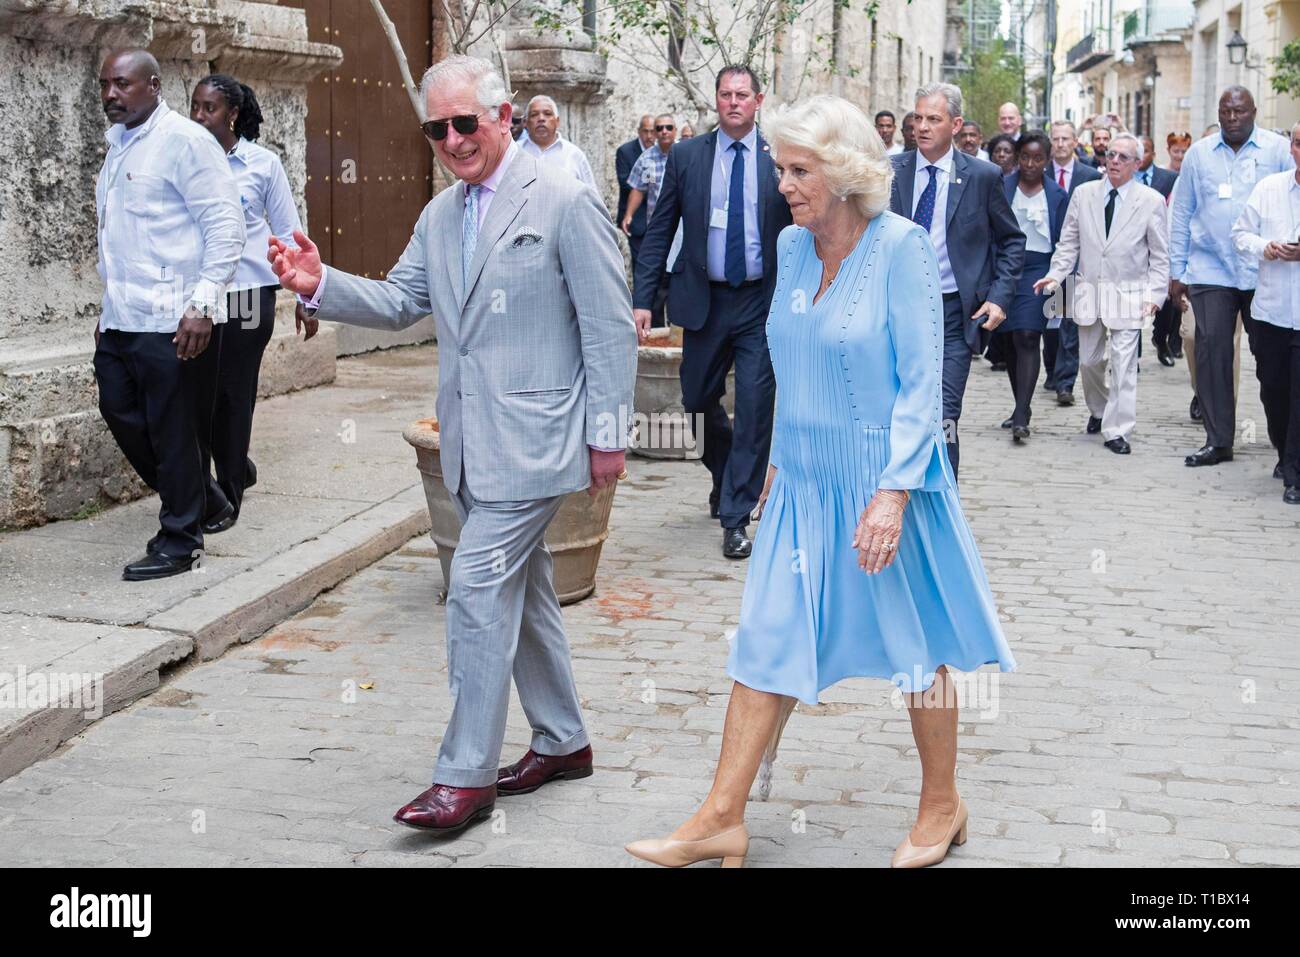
<point x="114" y="133"/>
<point x="944" y="162"/>
<point x="557" y="145"/>
<point x="750" y="139"/>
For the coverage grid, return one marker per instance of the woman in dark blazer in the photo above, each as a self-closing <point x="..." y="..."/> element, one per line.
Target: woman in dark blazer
<point x="1039" y="206"/>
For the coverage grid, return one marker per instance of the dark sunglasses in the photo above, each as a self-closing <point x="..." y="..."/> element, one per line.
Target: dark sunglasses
<point x="437" y="129"/>
<point x="666" y="126"/>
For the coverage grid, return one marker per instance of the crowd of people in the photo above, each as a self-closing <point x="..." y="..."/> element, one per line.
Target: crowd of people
<point x="850" y="280"/>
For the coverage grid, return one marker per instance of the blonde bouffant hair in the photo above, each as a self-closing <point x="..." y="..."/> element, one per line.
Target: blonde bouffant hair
<point x="839" y="134"/>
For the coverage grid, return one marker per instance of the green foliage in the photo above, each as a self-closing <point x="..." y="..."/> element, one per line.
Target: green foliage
<point x="1286" y="76"/>
<point x="995" y="78"/>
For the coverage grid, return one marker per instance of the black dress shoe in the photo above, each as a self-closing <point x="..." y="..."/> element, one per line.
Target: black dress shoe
<point x="1019" y="433"/>
<point x="1292" y="495"/>
<point x="156" y="565"/>
<point x="1065" y="398"/>
<point x="715" y="497"/>
<point x="735" y="543"/>
<point x="1118" y="445"/>
<point x="1007" y="423"/>
<point x="220" y="522"/>
<point x="1194" y="410"/>
<point x="1176" y="347"/>
<point x="1094" y="425"/>
<point x="1163" y="355"/>
<point x="250" y="475"/>
<point x="999" y="367"/>
<point x="1277" y="471"/>
<point x="1208" y="455"/>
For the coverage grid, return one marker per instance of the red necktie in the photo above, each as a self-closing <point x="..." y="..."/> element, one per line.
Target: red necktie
<point x="1060" y="176"/>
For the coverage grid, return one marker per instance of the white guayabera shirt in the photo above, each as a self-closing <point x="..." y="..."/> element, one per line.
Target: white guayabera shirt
<point x="1272" y="215"/>
<point x="267" y="202"/>
<point x="171" y="231"/>
<point x="563" y="154"/>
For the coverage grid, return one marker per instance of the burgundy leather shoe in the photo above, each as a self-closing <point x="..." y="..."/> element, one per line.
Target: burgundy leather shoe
<point x="533" y="770"/>
<point x="448" y="809"/>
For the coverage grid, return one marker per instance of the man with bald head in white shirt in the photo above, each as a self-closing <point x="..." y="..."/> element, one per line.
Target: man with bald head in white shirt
<point x="171" y="232"/>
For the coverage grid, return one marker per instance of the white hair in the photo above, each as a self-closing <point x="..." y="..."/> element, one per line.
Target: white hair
<point x="839" y="134"/>
<point x="1073" y="131"/>
<point x="489" y="87"/>
<point x="1137" y="143"/>
<point x="555" y="108"/>
<point x="950" y="94"/>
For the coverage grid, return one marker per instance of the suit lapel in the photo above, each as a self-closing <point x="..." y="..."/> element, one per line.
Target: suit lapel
<point x="956" y="187"/>
<point x="1122" y="215"/>
<point x="451" y="236"/>
<point x="907" y="182"/>
<point x="766" y="171"/>
<point x="506" y="204"/>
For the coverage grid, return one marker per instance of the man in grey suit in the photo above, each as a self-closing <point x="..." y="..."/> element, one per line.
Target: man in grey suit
<point x="520" y="266"/>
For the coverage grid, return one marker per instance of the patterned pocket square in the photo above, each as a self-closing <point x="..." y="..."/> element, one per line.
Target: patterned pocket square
<point x="525" y="236"/>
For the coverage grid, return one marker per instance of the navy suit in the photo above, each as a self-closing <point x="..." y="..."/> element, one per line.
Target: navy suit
<point x="1061" y="346"/>
<point x="1162" y="180"/>
<point x="723" y="324"/>
<point x="986" y="251"/>
<point x="1166" y="329"/>
<point x="624" y="159"/>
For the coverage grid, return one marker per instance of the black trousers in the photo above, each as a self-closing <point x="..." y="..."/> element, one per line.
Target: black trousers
<point x="1165" y="329"/>
<point x="1021" y="348"/>
<point x="1216" y="309"/>
<point x="736" y="330"/>
<point x="1277" y="365"/>
<point x="228" y="400"/>
<point x="151" y="400"/>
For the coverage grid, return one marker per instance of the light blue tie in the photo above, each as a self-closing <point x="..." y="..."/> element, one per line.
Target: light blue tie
<point x="469" y="231"/>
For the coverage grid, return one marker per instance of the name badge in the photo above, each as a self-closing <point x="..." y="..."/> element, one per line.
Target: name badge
<point x="719" y="219"/>
<point x="1225" y="191"/>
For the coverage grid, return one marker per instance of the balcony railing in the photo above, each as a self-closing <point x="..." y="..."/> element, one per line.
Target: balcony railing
<point x="1088" y="52"/>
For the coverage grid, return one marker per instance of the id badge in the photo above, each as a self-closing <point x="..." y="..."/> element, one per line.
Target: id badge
<point x="1225" y="191"/>
<point x="718" y="219"/>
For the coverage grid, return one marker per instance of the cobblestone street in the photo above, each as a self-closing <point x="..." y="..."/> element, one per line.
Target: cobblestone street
<point x="1154" y="719"/>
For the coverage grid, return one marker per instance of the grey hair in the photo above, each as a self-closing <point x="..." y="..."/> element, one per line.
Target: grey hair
<point x="489" y="87"/>
<point x="555" y="107"/>
<point x="1131" y="138"/>
<point x="1073" y="131"/>
<point x="950" y="93"/>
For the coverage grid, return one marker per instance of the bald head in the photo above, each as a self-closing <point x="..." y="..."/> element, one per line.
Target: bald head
<point x="129" y="86"/>
<point x="1236" y="115"/>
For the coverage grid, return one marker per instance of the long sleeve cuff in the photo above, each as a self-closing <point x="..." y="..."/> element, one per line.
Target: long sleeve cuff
<point x="313" y="303"/>
<point x="211" y="297"/>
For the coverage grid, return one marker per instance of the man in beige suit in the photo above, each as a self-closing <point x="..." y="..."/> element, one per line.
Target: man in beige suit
<point x="1115" y="230"/>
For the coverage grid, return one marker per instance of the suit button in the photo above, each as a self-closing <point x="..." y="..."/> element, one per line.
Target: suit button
<point x="464" y="352"/>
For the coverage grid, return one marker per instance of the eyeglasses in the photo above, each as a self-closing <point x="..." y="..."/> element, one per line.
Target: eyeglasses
<point x="464" y="125"/>
<point x="663" y="128"/>
<point x="1116" y="154"/>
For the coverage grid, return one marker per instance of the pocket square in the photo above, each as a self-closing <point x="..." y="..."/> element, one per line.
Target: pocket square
<point x="525" y="236"/>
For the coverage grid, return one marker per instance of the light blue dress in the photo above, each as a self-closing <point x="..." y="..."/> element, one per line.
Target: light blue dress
<point x="858" y="409"/>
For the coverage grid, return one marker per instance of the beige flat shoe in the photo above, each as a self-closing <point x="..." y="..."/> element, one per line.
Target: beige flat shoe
<point x="908" y="854"/>
<point x="731" y="845"/>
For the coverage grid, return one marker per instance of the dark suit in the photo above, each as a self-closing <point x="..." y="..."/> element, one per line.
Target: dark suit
<point x="1166" y="329"/>
<point x="624" y="159"/>
<point x="1061" y="346"/>
<point x="722" y="323"/>
<point x="986" y="251"/>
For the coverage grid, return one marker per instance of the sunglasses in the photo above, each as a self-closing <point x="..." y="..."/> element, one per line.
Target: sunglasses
<point x="663" y="128"/>
<point x="464" y="125"/>
<point x="1116" y="154"/>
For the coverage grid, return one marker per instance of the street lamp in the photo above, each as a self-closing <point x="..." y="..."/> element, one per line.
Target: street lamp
<point x="1237" y="49"/>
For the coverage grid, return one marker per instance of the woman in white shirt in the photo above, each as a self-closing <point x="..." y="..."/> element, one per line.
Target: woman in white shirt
<point x="1039" y="205"/>
<point x="228" y="109"/>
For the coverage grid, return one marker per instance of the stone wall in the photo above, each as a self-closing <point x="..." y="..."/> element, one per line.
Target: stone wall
<point x="56" y="455"/>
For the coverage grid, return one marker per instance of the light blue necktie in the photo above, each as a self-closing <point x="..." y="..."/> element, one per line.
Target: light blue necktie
<point x="469" y="231"/>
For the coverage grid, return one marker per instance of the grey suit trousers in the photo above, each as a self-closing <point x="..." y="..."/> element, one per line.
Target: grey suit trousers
<point x="503" y="618"/>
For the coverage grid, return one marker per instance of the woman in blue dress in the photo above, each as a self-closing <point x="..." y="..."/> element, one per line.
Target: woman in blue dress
<point x="863" y="564"/>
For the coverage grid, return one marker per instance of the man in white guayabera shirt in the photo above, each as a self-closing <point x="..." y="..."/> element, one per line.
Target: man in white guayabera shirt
<point x="171" y="232"/>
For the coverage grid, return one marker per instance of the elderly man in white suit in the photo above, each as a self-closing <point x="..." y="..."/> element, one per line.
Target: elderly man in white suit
<point x="1115" y="231"/>
<point x="519" y="264"/>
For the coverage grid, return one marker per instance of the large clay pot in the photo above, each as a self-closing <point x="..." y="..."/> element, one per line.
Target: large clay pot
<point x="662" y="430"/>
<point x="575" y="536"/>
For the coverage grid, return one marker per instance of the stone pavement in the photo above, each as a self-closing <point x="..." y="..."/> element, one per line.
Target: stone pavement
<point x="1153" y="721"/>
<point x="337" y="489"/>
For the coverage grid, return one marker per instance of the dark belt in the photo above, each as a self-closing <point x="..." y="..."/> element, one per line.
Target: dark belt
<point x="952" y="297"/>
<point x="744" y="285"/>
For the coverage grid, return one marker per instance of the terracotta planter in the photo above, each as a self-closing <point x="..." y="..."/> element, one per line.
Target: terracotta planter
<point x="662" y="429"/>
<point x="575" y="536"/>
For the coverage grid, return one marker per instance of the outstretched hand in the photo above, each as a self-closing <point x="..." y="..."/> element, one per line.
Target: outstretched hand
<point x="299" y="270"/>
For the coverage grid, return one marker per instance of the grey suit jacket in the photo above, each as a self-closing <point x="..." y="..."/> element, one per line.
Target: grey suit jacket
<point x="537" y="357"/>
